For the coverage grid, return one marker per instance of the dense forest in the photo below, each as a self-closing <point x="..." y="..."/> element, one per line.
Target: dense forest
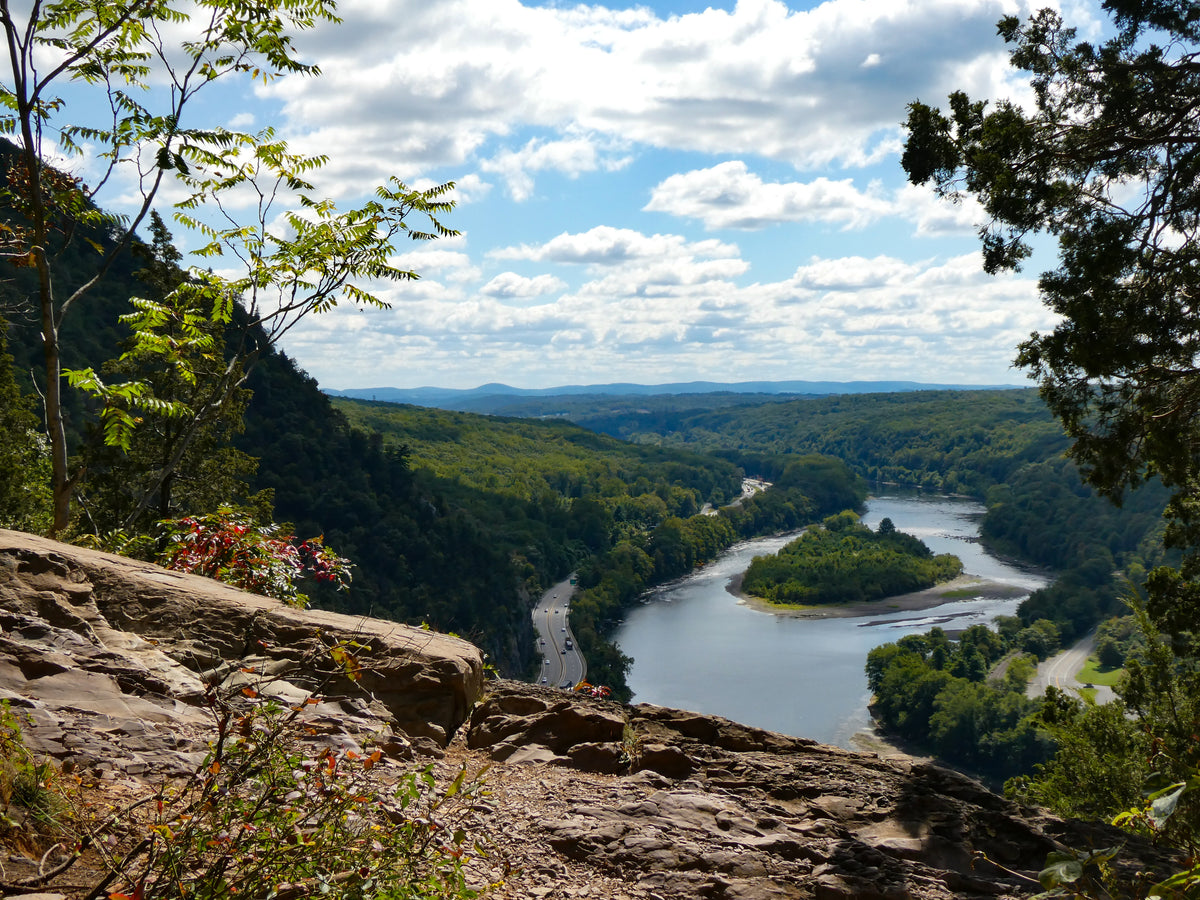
<point x="530" y="458"/>
<point x="941" y="694"/>
<point x="953" y="441"/>
<point x="843" y="561"/>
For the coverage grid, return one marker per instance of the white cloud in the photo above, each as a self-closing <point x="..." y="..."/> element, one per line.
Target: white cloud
<point x="439" y="260"/>
<point x="469" y="189"/>
<point x="408" y="84"/>
<point x="730" y="196"/>
<point x="683" y="314"/>
<point x="607" y="246"/>
<point x="512" y="285"/>
<point x="937" y="217"/>
<point x="572" y="157"/>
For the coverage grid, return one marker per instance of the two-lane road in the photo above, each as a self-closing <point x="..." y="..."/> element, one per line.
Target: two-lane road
<point x="1060" y="671"/>
<point x="562" y="666"/>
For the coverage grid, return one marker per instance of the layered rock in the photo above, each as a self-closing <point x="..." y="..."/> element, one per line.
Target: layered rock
<point x="669" y="804"/>
<point x="113" y="658"/>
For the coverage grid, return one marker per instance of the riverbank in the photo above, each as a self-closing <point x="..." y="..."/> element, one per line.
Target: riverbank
<point x="696" y="647"/>
<point x="964" y="587"/>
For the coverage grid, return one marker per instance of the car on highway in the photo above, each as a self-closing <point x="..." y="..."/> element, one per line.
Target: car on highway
<point x="543" y="679"/>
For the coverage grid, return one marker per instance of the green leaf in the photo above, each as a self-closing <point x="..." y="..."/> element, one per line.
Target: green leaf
<point x="1163" y="803"/>
<point x="1061" y="868"/>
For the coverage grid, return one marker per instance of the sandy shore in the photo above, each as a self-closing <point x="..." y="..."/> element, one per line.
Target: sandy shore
<point x="964" y="587"/>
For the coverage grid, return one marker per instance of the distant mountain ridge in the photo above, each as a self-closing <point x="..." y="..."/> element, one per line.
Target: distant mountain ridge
<point x="456" y="398"/>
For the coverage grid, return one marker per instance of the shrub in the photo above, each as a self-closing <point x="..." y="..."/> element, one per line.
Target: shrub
<point x="231" y="547"/>
<point x="268" y="813"/>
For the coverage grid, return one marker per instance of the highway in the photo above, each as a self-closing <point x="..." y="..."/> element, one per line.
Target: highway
<point x="561" y="667"/>
<point x="1060" y="670"/>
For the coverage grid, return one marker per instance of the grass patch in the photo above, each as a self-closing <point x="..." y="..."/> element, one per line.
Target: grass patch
<point x="1091" y="673"/>
<point x="1088" y="693"/>
<point x="959" y="594"/>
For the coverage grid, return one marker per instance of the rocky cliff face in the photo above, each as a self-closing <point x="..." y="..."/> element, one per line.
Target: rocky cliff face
<point x="111" y="659"/>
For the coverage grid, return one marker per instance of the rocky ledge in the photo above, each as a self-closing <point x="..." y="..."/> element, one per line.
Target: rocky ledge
<point x="111" y="658"/>
<point x="650" y="802"/>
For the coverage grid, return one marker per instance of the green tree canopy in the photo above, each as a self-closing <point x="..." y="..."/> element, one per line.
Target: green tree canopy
<point x="1106" y="162"/>
<point x="298" y="253"/>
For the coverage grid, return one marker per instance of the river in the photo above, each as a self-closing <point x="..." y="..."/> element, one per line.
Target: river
<point x="696" y="647"/>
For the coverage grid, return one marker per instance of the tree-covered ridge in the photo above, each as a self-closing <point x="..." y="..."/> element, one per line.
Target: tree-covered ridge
<point x="1001" y="446"/>
<point x="956" y="441"/>
<point x="843" y="561"/>
<point x="1045" y="513"/>
<point x="533" y="458"/>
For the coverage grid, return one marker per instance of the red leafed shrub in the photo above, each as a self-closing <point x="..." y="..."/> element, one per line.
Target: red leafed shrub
<point x="599" y="691"/>
<point x="231" y="547"/>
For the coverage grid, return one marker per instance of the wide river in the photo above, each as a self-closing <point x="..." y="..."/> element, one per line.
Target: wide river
<point x="695" y="646"/>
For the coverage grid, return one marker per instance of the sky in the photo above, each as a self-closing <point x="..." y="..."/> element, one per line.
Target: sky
<point x="657" y="192"/>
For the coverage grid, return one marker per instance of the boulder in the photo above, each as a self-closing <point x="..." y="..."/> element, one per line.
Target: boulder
<point x="111" y="660"/>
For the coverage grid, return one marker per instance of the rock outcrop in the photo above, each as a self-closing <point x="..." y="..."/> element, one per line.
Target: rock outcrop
<point x="112" y="659"/>
<point x="705" y="807"/>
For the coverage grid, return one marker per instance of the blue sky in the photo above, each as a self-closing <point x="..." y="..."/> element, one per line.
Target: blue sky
<point x="657" y="192"/>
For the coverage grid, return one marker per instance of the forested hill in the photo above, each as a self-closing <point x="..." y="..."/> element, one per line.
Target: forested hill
<point x="956" y="441"/>
<point x="1000" y="446"/>
<point x="529" y="458"/>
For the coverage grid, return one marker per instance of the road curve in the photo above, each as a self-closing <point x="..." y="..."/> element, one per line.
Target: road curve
<point x="1060" y="671"/>
<point x="560" y="666"/>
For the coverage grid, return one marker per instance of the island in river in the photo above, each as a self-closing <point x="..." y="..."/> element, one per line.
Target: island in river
<point x="696" y="647"/>
<point x="842" y="562"/>
<point x="964" y="587"/>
